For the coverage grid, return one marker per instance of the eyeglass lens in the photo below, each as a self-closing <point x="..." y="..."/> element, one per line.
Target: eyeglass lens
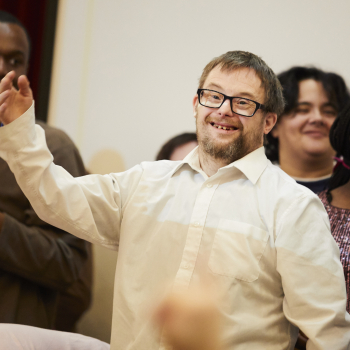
<point x="239" y="105"/>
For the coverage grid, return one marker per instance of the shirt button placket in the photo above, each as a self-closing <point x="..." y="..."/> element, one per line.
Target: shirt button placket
<point x="194" y="235"/>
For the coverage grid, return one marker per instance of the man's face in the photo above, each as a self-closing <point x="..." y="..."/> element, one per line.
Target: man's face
<point x="304" y="133"/>
<point x="14" y="50"/>
<point x="243" y="134"/>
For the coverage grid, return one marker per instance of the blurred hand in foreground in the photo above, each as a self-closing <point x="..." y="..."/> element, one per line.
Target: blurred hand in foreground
<point x="190" y="320"/>
<point x="13" y="103"/>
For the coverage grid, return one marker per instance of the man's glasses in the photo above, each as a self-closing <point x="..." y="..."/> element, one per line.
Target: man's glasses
<point x="239" y="105"/>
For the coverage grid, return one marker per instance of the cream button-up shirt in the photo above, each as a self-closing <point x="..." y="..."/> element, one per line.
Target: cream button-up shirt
<point x="263" y="240"/>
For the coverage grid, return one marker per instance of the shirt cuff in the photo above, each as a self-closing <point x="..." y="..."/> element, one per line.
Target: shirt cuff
<point x="18" y="133"/>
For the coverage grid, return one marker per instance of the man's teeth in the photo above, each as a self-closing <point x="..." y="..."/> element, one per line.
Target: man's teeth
<point x="223" y="127"/>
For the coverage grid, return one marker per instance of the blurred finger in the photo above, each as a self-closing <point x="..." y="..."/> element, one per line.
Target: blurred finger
<point x="6" y="82"/>
<point x="23" y="85"/>
<point x="2" y="110"/>
<point x="4" y="96"/>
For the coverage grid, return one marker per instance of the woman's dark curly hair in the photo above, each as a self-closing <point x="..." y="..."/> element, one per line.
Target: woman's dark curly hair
<point x="339" y="136"/>
<point x="332" y="83"/>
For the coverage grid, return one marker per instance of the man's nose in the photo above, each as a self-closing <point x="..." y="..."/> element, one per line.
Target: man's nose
<point x="225" y="108"/>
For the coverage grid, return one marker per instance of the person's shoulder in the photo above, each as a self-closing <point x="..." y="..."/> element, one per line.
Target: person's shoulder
<point x="160" y="167"/>
<point x="283" y="184"/>
<point x="286" y="196"/>
<point x="323" y="197"/>
<point x="158" y="171"/>
<point x="56" y="138"/>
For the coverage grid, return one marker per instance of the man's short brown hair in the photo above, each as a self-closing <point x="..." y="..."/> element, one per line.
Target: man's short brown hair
<point x="232" y="60"/>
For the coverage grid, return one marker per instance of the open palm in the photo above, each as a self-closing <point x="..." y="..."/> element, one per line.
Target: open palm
<point x="13" y="103"/>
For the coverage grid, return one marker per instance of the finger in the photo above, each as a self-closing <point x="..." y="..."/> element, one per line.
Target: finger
<point x="4" y="96"/>
<point x="23" y="85"/>
<point x="2" y="110"/>
<point x="6" y="82"/>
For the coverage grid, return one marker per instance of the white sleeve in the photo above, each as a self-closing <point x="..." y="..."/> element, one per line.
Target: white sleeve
<point x="88" y="207"/>
<point x="21" y="337"/>
<point x="312" y="275"/>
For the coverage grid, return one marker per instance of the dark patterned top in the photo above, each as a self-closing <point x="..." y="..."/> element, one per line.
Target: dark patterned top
<point x="340" y="228"/>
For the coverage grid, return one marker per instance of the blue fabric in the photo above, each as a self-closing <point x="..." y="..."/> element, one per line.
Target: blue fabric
<point x="315" y="186"/>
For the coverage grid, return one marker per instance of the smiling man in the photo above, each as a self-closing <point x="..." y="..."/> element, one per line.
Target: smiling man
<point x="228" y="132"/>
<point x="224" y="214"/>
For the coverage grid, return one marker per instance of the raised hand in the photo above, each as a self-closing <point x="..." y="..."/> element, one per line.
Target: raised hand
<point x="13" y="103"/>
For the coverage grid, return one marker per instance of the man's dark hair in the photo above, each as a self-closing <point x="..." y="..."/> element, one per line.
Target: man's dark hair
<point x="179" y="140"/>
<point x="6" y="17"/>
<point x="333" y="84"/>
<point x="233" y="60"/>
<point x="339" y="136"/>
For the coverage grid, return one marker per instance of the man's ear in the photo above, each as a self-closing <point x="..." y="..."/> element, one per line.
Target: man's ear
<point x="195" y="105"/>
<point x="270" y="121"/>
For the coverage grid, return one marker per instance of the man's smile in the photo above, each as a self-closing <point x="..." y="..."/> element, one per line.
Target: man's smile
<point x="224" y="127"/>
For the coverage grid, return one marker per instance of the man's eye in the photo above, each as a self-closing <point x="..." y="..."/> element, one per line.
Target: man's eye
<point x="15" y="62"/>
<point x="213" y="97"/>
<point x="242" y="102"/>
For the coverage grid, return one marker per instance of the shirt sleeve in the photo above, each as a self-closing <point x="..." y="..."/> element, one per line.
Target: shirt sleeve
<point x="308" y="262"/>
<point x="88" y="207"/>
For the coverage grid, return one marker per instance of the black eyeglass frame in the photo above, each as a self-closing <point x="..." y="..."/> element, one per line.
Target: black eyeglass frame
<point x="230" y="98"/>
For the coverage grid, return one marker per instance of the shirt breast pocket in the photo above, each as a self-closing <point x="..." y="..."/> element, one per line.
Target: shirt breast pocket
<point x="237" y="250"/>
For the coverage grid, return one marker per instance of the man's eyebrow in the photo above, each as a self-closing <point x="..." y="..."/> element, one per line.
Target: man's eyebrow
<point x="215" y="86"/>
<point x="14" y="53"/>
<point x="241" y="94"/>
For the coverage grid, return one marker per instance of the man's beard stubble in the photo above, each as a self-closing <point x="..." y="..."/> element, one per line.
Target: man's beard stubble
<point x="225" y="152"/>
<point x="231" y="152"/>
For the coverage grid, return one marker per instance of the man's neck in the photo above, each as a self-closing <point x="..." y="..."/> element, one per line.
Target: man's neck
<point x="208" y="164"/>
<point x="307" y="168"/>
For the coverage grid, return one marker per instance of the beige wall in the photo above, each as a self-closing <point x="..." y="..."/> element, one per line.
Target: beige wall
<point x="125" y="72"/>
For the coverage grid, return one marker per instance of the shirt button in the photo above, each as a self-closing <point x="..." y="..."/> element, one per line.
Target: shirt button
<point x="196" y="224"/>
<point x="209" y="185"/>
<point x="185" y="266"/>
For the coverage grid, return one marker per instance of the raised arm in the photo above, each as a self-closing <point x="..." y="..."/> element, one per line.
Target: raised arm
<point x="88" y="207"/>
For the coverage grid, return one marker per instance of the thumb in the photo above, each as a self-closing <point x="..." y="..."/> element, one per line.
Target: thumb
<point x="23" y="86"/>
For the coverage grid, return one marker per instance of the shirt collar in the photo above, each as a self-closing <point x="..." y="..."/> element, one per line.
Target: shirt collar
<point x="192" y="159"/>
<point x="252" y="165"/>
